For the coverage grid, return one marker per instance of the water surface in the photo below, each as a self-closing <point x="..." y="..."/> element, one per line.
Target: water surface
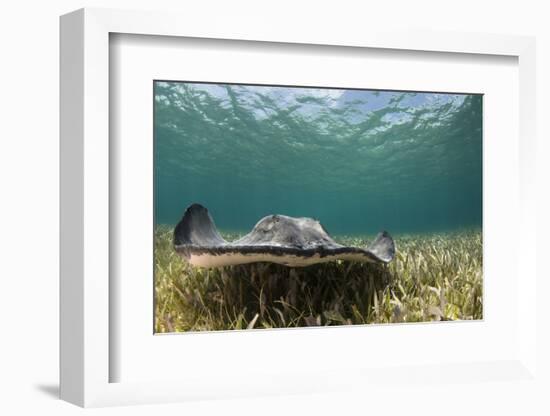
<point x="358" y="160"/>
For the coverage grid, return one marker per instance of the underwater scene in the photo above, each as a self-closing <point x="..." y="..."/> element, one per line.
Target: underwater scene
<point x="279" y="206"/>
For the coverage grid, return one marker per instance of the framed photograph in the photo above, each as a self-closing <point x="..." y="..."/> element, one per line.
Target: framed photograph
<point x="262" y="213"/>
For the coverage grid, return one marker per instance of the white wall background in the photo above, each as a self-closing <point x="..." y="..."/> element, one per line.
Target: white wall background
<point x="29" y="80"/>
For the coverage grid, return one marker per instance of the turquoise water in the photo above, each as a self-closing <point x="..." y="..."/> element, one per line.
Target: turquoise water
<point x="358" y="160"/>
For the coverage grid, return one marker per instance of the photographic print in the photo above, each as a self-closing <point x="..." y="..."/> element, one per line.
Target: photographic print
<point x="294" y="206"/>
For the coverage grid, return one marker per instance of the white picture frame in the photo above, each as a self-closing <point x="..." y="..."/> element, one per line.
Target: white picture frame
<point x="85" y="354"/>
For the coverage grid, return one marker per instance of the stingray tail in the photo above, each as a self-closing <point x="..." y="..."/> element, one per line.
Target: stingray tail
<point x="383" y="247"/>
<point x="197" y="228"/>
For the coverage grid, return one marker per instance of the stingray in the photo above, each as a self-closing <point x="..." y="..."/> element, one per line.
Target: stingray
<point x="294" y="242"/>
